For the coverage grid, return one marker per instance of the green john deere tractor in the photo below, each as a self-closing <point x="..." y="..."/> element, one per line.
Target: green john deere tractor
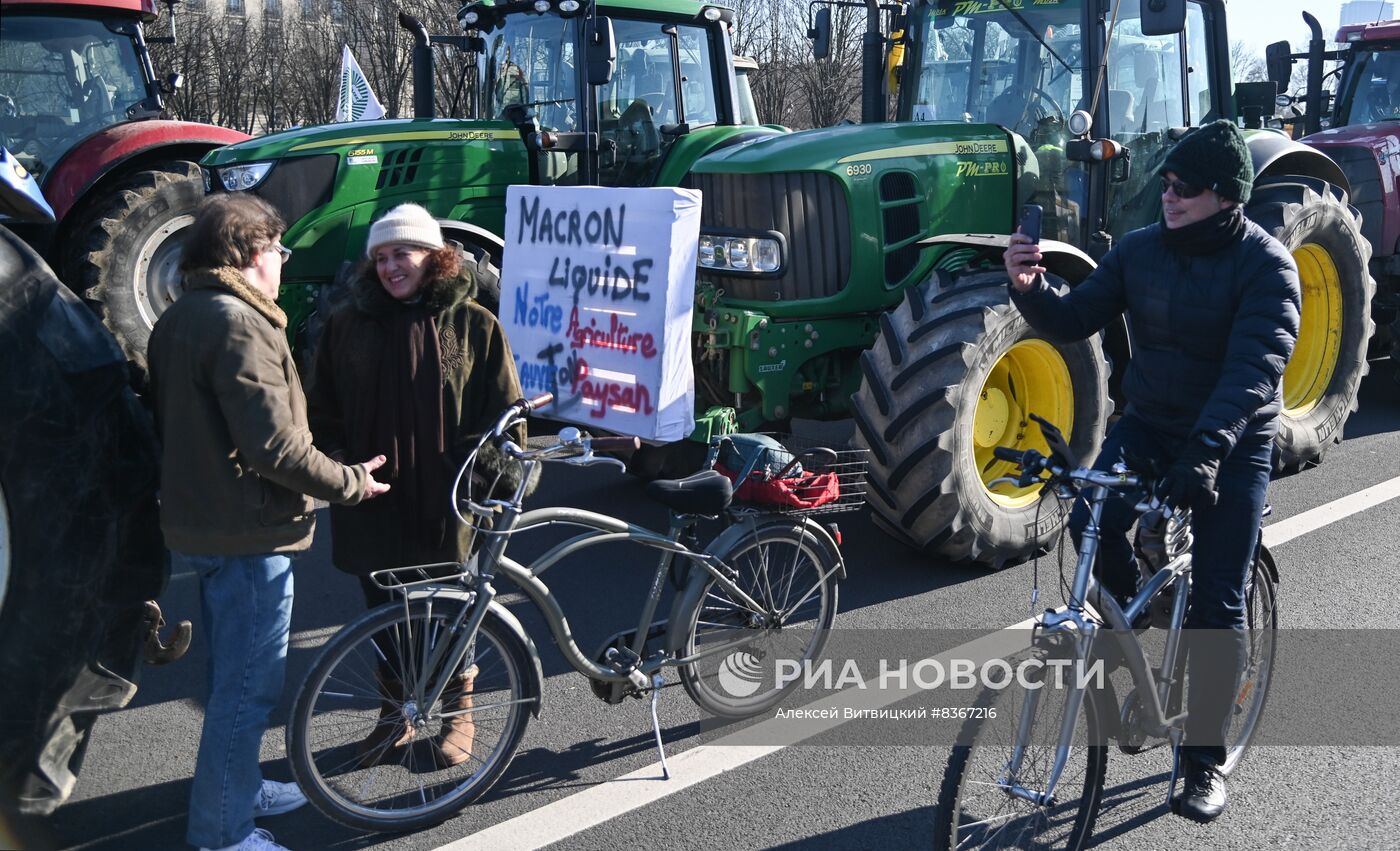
<point x="880" y="293"/>
<point x="562" y="92"/>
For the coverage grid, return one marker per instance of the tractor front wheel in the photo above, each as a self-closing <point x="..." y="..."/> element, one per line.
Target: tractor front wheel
<point x="955" y="373"/>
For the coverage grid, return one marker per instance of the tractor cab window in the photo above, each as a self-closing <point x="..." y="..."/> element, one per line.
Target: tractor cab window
<point x="1144" y="83"/>
<point x="529" y="65"/>
<point x="529" y="62"/>
<point x="1020" y="69"/>
<point x="62" y="79"/>
<point x="1371" y="91"/>
<point x="647" y="97"/>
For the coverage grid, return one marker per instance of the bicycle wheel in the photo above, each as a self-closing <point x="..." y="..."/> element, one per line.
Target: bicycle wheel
<point x="356" y="690"/>
<point x="975" y="808"/>
<point x="1261" y="623"/>
<point x="792" y="577"/>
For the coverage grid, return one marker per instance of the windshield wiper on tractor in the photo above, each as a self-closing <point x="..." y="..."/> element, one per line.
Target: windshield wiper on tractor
<point x="1034" y="34"/>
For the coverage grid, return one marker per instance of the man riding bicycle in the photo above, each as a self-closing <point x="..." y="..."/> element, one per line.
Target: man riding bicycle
<point x="1212" y="303"/>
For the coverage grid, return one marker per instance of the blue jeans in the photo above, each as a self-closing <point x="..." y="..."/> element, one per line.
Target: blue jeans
<point x="247" y="606"/>
<point x="1225" y="538"/>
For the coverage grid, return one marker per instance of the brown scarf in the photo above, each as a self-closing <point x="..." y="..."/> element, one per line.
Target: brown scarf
<point x="406" y="425"/>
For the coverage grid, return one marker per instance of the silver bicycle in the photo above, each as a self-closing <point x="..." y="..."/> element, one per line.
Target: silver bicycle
<point x="1029" y="768"/>
<point x="449" y="662"/>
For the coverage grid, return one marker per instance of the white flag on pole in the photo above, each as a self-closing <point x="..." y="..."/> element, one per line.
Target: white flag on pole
<point x="356" y="102"/>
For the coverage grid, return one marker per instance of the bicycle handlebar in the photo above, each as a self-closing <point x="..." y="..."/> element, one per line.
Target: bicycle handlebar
<point x="615" y="444"/>
<point x="1032" y="463"/>
<point x="1006" y="453"/>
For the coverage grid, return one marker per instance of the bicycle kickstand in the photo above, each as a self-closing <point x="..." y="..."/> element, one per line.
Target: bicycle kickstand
<point x="657" y="681"/>
<point x="1176" y="736"/>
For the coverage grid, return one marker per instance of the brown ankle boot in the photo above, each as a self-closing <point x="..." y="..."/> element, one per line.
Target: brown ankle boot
<point x="385" y="742"/>
<point x="454" y="743"/>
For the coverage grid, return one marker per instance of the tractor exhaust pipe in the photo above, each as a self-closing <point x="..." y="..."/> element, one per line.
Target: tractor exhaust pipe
<point x="872" y="55"/>
<point x="423" y="96"/>
<point x="1317" y="49"/>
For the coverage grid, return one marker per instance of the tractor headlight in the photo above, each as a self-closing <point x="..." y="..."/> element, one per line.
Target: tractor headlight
<point x="237" y="178"/>
<point x="757" y="255"/>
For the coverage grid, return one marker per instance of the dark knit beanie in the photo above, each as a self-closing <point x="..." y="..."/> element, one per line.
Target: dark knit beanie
<point x="1214" y="157"/>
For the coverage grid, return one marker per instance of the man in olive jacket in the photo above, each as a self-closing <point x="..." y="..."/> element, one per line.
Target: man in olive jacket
<point x="238" y="470"/>
<point x="1213" y="304"/>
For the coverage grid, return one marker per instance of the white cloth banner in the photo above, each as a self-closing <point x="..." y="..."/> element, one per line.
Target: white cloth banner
<point x="597" y="290"/>
<point x="356" y="102"/>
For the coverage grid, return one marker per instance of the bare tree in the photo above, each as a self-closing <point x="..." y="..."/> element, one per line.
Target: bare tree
<point x="280" y="70"/>
<point x="1246" y="66"/>
<point x="830" y="87"/>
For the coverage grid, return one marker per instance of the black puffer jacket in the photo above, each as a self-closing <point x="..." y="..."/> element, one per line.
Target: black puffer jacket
<point x="1210" y="333"/>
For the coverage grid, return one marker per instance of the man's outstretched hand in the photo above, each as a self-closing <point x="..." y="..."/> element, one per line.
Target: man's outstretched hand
<point x="374" y="488"/>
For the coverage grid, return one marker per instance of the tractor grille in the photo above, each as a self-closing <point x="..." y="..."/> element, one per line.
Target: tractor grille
<point x="807" y="208"/>
<point x="1359" y="165"/>
<point x="298" y="185"/>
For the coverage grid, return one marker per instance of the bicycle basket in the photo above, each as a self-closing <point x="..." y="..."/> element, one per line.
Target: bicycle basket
<point x="782" y="473"/>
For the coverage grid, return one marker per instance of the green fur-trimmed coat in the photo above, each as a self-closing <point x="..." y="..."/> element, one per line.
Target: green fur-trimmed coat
<point x="479" y="381"/>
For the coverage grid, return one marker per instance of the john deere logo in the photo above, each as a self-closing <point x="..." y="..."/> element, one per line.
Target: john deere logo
<point x="740" y="674"/>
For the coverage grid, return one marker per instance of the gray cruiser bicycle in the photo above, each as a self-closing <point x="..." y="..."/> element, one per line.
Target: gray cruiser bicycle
<point x="1029" y="767"/>
<point x="447" y="654"/>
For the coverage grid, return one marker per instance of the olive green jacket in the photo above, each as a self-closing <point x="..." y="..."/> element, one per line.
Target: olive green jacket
<point x="479" y="382"/>
<point x="237" y="461"/>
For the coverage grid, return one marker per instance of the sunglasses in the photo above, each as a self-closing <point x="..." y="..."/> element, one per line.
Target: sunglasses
<point x="282" y="251"/>
<point x="1182" y="190"/>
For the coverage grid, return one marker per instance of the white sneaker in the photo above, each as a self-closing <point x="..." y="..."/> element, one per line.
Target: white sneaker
<point x="275" y="798"/>
<point x="258" y="840"/>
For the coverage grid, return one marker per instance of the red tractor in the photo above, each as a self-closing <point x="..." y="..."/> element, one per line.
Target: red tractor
<point x="1360" y="131"/>
<point x="81" y="108"/>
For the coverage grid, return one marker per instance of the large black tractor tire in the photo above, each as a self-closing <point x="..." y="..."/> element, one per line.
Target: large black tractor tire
<point x="80" y="547"/>
<point x="125" y="253"/>
<point x="953" y="374"/>
<point x="486" y="275"/>
<point x="1314" y="222"/>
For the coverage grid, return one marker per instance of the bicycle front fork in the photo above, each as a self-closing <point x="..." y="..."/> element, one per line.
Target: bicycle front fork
<point x="1025" y="730"/>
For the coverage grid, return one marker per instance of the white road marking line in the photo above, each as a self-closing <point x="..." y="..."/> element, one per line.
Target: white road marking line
<point x="598" y="804"/>
<point x="1316" y="518"/>
<point x="607" y="801"/>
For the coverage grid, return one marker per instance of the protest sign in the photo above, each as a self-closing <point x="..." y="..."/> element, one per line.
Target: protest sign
<point x="597" y="288"/>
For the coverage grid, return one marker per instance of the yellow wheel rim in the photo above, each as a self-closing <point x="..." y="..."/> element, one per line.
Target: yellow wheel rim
<point x="1031" y="378"/>
<point x="1309" y="371"/>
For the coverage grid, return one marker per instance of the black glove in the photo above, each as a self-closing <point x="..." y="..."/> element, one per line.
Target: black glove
<point x="1191" y="479"/>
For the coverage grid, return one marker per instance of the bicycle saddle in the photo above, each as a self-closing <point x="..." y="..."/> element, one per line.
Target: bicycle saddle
<point x="706" y="492"/>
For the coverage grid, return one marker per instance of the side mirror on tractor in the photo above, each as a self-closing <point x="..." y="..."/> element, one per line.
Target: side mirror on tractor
<point x="1163" y="17"/>
<point x="820" y="34"/>
<point x="1278" y="58"/>
<point x="602" y="50"/>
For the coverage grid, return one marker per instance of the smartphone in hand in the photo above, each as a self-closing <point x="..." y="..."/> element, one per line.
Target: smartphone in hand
<point x="1030" y="221"/>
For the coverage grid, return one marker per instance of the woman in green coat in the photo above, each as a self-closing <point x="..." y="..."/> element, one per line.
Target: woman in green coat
<point x="413" y="368"/>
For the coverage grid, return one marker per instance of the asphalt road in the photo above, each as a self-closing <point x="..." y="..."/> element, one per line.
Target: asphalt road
<point x="135" y="784"/>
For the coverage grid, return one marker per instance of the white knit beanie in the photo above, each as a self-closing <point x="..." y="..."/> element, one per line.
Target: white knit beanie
<point x="408" y="223"/>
